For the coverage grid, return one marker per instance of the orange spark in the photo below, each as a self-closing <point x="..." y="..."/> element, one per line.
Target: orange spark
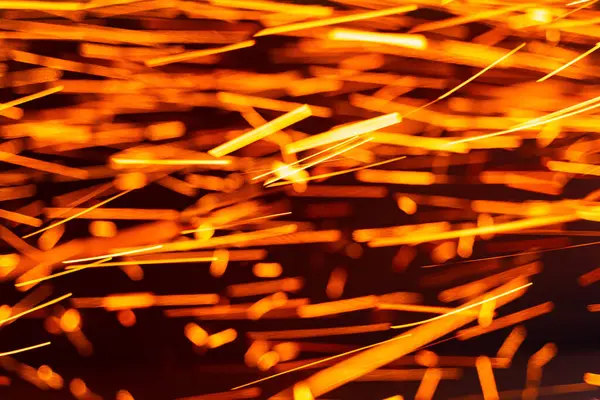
<point x="263" y="131"/>
<point x="191" y="55"/>
<point x="486" y="378"/>
<point x="83" y="212"/>
<point x="507" y="320"/>
<point x="334" y="20"/>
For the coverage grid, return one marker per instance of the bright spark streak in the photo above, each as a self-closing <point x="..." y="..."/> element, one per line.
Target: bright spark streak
<point x="124" y="253"/>
<point x="461" y="309"/>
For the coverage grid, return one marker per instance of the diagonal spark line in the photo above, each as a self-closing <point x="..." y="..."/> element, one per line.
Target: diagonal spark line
<point x="87" y="210"/>
<point x="346" y="171"/>
<point x="573" y="61"/>
<point x="536" y="121"/>
<point x="236" y="224"/>
<point x="321" y="361"/>
<point x="21" y="350"/>
<point x="343" y="150"/>
<point x="514" y="254"/>
<point x="305" y="158"/>
<point x="477" y="75"/>
<point x="70" y="271"/>
<point x="123" y="253"/>
<point x="31" y="97"/>
<point x="13" y="317"/>
<point x="461" y="309"/>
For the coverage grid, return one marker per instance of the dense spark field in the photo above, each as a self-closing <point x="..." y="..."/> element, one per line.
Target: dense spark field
<point x="350" y="199"/>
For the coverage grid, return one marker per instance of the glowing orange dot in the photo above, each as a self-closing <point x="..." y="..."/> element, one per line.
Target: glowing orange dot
<point x="196" y="334"/>
<point x="70" y="320"/>
<point x="126" y="318"/>
<point x="124" y="395"/>
<point x="44" y="372"/>
<point x="103" y="229"/>
<point x="78" y="387"/>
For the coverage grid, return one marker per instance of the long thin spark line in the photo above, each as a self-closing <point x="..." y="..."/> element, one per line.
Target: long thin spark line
<point x="236" y="224"/>
<point x="31" y="97"/>
<point x="123" y="253"/>
<point x="321" y="361"/>
<point x="343" y="150"/>
<point x="346" y="171"/>
<point x="573" y="61"/>
<point x="270" y="170"/>
<point x="89" y="196"/>
<point x="477" y="75"/>
<point x="191" y="55"/>
<point x="532" y="124"/>
<point x="69" y="271"/>
<point x="145" y="262"/>
<point x="306" y="158"/>
<point x="37" y="346"/>
<point x="549" y="24"/>
<point x="87" y="210"/>
<point x="458" y="310"/>
<point x="514" y="255"/>
<point x="132" y="161"/>
<point x="19" y="315"/>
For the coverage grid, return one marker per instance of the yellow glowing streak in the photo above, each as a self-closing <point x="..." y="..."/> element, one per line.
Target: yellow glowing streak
<point x="477" y="75"/>
<point x="236" y="224"/>
<point x="40" y="165"/>
<point x="446" y="23"/>
<point x="573" y="61"/>
<point x="19" y="315"/>
<point x="190" y="55"/>
<point x="335" y="20"/>
<point x="77" y="215"/>
<point x="124" y="253"/>
<point x="320" y="361"/>
<point x="45" y="278"/>
<point x="270" y="6"/>
<point x="564" y="113"/>
<point x="301" y="160"/>
<point x="40" y="5"/>
<point x="577" y="2"/>
<point x="31" y="97"/>
<point x="145" y="262"/>
<point x="263" y="131"/>
<point x="344" y="132"/>
<point x="37" y="346"/>
<point x="471" y="79"/>
<point x="343" y="150"/>
<point x="410" y="41"/>
<point x="346" y="171"/>
<point x="461" y="309"/>
<point x="133" y="161"/>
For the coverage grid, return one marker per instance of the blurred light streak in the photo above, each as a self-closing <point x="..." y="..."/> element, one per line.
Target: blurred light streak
<point x="486" y="378"/>
<point x="334" y="20"/>
<point x="320" y="332"/>
<point x="513" y="226"/>
<point x="45" y="278"/>
<point x="321" y="361"/>
<point x="33" y="309"/>
<point x="512" y="343"/>
<point x="344" y="132"/>
<point x="267" y="129"/>
<point x="507" y="320"/>
<point x="78" y="214"/>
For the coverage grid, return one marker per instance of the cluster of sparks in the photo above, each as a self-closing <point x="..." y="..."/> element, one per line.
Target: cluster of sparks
<point x="344" y="102"/>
